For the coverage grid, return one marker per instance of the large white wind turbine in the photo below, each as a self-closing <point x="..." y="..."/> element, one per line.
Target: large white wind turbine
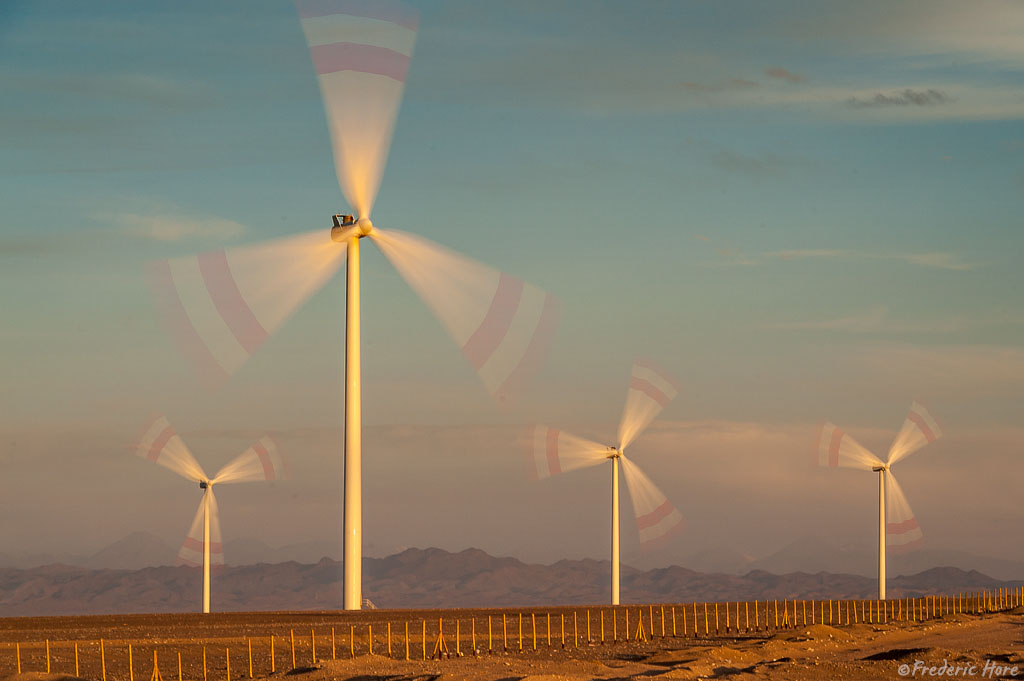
<point x="554" y="451"/>
<point x="221" y="306"/>
<point x="897" y="526"/>
<point x="203" y="546"/>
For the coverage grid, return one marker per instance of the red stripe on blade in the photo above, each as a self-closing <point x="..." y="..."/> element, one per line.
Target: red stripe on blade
<point x="178" y="324"/>
<point x="533" y="358"/>
<point x="654" y="517"/>
<point x="833" y="447"/>
<point x="645" y="386"/>
<point x="159" y="443"/>
<point x="197" y="545"/>
<point x="264" y="456"/>
<point x="228" y="300"/>
<point x="554" y="467"/>
<point x="919" y="422"/>
<point x="651" y="366"/>
<point x="900" y="528"/>
<point x="380" y="61"/>
<point x="492" y="330"/>
<point x="382" y="10"/>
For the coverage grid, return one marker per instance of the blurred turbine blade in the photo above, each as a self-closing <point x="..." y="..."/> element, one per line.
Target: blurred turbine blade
<point x="650" y="389"/>
<point x="191" y="552"/>
<point x="836" y="448"/>
<point x="656" y="517"/>
<point x="262" y="461"/>
<point x="160" y="443"/>
<point x="553" y="451"/>
<point x="361" y="51"/>
<point x="919" y="429"/>
<point x="901" y="530"/>
<point x="503" y="325"/>
<point x="221" y="306"/>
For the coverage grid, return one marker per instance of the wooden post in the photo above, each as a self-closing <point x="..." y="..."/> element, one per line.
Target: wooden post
<point x="249" y="640"/>
<point x="407" y="640"/>
<point x="549" y="629"/>
<point x="273" y="663"/>
<point x="76" y="658"/>
<point x="334" y="645"/>
<point x="615" y="627"/>
<point x="706" y="621"/>
<point x="179" y="667"/>
<point x="47" y="656"/>
<point x="458" y="647"/>
<point x="352" y="642"/>
<point x="562" y="618"/>
<point x="504" y="631"/>
<point x="650" y="618"/>
<point x="627" y="624"/>
<point x="291" y="632"/>
<point x="746" y="615"/>
<point x="227" y="661"/>
<point x="674" y="621"/>
<point x="389" y="639"/>
<point x="490" y="639"/>
<point x="204" y="663"/>
<point x="663" y="619"/>
<point x="575" y="632"/>
<point x="312" y="643"/>
<point x="757" y="616"/>
<point x="776" y="604"/>
<point x="17" y="654"/>
<point x="369" y="635"/>
<point x="533" y="624"/>
<point x="602" y="626"/>
<point x="520" y="631"/>
<point x="424" y="639"/>
<point x="473" y="633"/>
<point x="717" y="628"/>
<point x="728" y="619"/>
<point x="588" y="627"/>
<point x="131" y="667"/>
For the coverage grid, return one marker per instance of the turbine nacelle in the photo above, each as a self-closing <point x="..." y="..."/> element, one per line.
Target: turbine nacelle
<point x="614" y="453"/>
<point x="347" y="226"/>
<point x="877" y="469"/>
<point x="203" y="484"/>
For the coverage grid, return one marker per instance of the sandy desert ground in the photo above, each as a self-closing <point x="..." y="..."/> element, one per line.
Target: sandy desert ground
<point x="965" y="643"/>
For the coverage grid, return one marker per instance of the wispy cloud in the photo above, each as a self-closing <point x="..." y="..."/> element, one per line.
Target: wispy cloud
<point x="905" y="97"/>
<point x="169" y="227"/>
<point x="784" y="74"/>
<point x="938" y="260"/>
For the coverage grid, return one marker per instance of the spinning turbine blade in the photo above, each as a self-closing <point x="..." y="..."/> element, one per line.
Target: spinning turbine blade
<point x="919" y="429"/>
<point x="503" y="325"/>
<point x="650" y="389"/>
<point x="836" y="448"/>
<point x="220" y="306"/>
<point x="262" y="461"/>
<point x="901" y="530"/>
<point x="191" y="552"/>
<point x="363" y="48"/>
<point x="160" y="443"/>
<point x="554" y="451"/>
<point x="656" y="517"/>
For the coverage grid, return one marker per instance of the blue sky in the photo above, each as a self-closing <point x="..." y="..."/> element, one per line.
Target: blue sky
<point x="805" y="215"/>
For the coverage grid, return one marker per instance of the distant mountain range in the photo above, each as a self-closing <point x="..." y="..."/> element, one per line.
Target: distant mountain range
<point x="810" y="554"/>
<point x="429" y="578"/>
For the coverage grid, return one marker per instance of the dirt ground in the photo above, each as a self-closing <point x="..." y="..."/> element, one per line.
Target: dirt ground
<point x="965" y="643"/>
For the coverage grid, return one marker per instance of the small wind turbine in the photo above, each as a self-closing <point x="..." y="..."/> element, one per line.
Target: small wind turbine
<point x="203" y="546"/>
<point x="554" y="451"/>
<point x="896" y="523"/>
<point x="222" y="306"/>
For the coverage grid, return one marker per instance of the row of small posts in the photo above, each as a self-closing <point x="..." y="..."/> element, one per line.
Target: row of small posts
<point x="521" y="631"/>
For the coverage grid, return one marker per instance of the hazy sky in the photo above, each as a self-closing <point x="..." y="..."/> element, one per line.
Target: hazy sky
<point x="806" y="214"/>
